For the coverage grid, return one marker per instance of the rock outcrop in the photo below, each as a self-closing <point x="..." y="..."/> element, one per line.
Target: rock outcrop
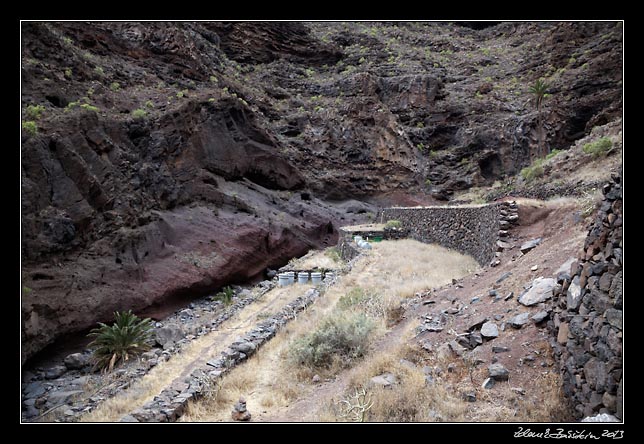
<point x="169" y="159"/>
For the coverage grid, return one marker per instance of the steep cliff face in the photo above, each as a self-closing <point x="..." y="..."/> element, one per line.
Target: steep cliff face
<point x="173" y="158"/>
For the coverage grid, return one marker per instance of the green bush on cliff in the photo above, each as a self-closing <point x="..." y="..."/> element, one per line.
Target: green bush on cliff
<point x="598" y="147"/>
<point x="533" y="171"/>
<point x="128" y="336"/>
<point x="30" y="127"/>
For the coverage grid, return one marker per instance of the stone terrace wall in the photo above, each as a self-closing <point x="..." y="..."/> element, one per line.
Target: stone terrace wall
<point x="472" y="230"/>
<point x="588" y="315"/>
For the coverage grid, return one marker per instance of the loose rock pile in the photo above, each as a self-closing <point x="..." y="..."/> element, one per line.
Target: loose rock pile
<point x="588" y="314"/>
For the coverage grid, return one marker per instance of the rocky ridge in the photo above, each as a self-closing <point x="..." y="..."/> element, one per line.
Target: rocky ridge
<point x="170" y="159"/>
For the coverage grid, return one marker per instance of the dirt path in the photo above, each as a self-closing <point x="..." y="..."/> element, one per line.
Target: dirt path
<point x="196" y="354"/>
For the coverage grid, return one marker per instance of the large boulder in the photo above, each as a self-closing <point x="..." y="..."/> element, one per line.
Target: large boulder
<point x="168" y="333"/>
<point x="540" y="291"/>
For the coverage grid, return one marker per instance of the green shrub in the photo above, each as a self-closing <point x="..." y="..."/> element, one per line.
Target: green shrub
<point x="68" y="73"/>
<point x="553" y="153"/>
<point x="214" y="79"/>
<point x="30" y="127"/>
<point x="354" y="297"/>
<point x="89" y="107"/>
<point x="34" y="111"/>
<point x="115" y="86"/>
<point x="334" y="254"/>
<point x="139" y="113"/>
<point x="149" y="104"/>
<point x="225" y="295"/>
<point x="598" y="147"/>
<point x="99" y="70"/>
<point x="421" y="147"/>
<point x="341" y="338"/>
<point x="129" y="335"/>
<point x="393" y="224"/>
<point x="533" y="171"/>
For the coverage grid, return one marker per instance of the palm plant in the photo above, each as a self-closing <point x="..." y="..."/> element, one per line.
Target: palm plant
<point x="129" y="335"/>
<point x="539" y="91"/>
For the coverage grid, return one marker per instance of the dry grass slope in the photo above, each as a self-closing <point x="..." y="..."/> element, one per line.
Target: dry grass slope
<point x="392" y="272"/>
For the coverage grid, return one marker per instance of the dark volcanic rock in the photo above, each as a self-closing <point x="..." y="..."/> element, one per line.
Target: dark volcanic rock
<point x="247" y="137"/>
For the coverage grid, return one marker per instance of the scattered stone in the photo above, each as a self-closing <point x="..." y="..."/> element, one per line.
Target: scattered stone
<point x="508" y="296"/>
<point x="31" y="412"/>
<point x="504" y="276"/>
<point x="529" y="245"/>
<point x="488" y="383"/>
<point x="519" y="320"/>
<point x="540" y="290"/>
<point x="469" y="396"/>
<point x="495" y="263"/>
<point x="498" y="317"/>
<point x="492" y="293"/>
<point x="34" y="389"/>
<point x="489" y="330"/>
<point x="518" y="390"/>
<point x="451" y="367"/>
<point x="573" y="296"/>
<point x="168" y="334"/>
<point x="475" y="299"/>
<point x="614" y="317"/>
<point x="562" y="335"/>
<point x="245" y="347"/>
<point x="62" y="396"/>
<point x="55" y="372"/>
<point x="478" y="323"/>
<point x="498" y="372"/>
<point x="75" y="361"/>
<point x="456" y="348"/>
<point x="501" y="245"/>
<point x="540" y="316"/>
<point x="128" y="418"/>
<point x="240" y="412"/>
<point x="534" y="268"/>
<point x="475" y="339"/>
<point x="385" y="380"/>
<point x="601" y="417"/>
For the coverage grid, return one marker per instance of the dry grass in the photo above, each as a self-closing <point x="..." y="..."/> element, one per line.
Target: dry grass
<point x="200" y="349"/>
<point x="393" y="270"/>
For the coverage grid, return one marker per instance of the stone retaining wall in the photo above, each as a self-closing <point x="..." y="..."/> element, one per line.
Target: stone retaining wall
<point x="472" y="230"/>
<point x="170" y="404"/>
<point x="588" y="315"/>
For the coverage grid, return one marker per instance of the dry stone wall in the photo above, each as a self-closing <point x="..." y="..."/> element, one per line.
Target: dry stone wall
<point x="472" y="230"/>
<point x="588" y="317"/>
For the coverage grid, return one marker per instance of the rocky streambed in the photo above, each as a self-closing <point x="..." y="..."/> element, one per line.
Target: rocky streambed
<point x="68" y="388"/>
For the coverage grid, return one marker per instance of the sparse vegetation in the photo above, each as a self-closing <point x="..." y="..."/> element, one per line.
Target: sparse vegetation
<point x="128" y="336"/>
<point x="34" y="111"/>
<point x="598" y="147"/>
<point x="99" y="70"/>
<point x="393" y="223"/>
<point x="139" y="113"/>
<point x="533" y="171"/>
<point x="225" y="295"/>
<point x="539" y="91"/>
<point x="149" y="104"/>
<point x="30" y="127"/>
<point x="88" y="107"/>
<point x="68" y="73"/>
<point x="115" y="86"/>
<point x="337" y="341"/>
<point x="553" y="153"/>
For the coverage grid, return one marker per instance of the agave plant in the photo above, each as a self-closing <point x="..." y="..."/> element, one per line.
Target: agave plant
<point x="128" y="335"/>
